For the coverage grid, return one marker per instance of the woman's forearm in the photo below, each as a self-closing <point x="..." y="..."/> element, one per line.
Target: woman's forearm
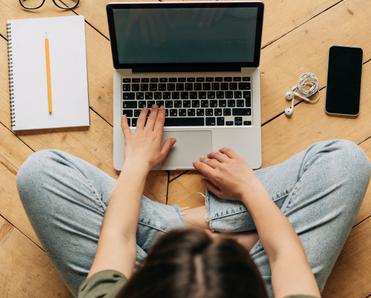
<point x="117" y="242"/>
<point x="291" y="273"/>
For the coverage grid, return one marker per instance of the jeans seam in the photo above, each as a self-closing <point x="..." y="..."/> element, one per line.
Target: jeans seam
<point x="149" y="225"/>
<point x="98" y="199"/>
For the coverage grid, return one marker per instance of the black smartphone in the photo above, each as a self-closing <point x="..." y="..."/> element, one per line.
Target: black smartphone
<point x="344" y="81"/>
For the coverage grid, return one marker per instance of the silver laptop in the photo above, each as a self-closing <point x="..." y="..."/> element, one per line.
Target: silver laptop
<point x="198" y="59"/>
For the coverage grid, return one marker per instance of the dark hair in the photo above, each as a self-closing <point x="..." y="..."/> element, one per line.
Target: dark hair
<point x="188" y="263"/>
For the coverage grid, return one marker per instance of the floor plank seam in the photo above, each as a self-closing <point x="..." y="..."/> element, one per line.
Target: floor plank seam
<point x="17" y="136"/>
<point x="365" y="140"/>
<point x="176" y="177"/>
<point x="363" y="220"/>
<point x="301" y="24"/>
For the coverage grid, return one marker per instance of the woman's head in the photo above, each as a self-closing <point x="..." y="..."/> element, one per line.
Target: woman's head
<point x="190" y="264"/>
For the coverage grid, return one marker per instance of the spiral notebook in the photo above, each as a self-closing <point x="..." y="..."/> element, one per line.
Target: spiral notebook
<point x="47" y="73"/>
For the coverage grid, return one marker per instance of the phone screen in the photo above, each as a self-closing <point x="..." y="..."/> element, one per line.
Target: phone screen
<point x="344" y="80"/>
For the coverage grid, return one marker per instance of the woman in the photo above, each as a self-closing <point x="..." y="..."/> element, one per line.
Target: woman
<point x="295" y="218"/>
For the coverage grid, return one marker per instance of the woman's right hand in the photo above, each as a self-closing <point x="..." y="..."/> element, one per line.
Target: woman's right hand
<point x="227" y="175"/>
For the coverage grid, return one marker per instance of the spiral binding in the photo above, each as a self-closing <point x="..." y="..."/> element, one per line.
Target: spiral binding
<point x="11" y="81"/>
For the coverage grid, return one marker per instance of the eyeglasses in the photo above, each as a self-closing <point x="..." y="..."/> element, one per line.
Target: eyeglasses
<point x="62" y="4"/>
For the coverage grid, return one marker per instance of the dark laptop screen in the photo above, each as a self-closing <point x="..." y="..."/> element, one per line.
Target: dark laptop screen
<point x="183" y="35"/>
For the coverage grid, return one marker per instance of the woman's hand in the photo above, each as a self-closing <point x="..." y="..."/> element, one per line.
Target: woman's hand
<point x="227" y="174"/>
<point x="144" y="148"/>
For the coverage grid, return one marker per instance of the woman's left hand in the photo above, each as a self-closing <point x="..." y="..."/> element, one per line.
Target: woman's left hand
<point x="144" y="147"/>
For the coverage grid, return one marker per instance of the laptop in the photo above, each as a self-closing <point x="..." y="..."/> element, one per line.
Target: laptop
<point x="198" y="59"/>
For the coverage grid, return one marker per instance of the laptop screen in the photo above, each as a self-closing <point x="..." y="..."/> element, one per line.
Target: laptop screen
<point x="176" y="35"/>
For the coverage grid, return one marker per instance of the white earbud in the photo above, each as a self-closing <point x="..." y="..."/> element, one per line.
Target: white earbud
<point x="307" y="86"/>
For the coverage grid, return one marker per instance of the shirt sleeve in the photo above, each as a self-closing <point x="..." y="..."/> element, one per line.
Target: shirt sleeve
<point x="103" y="284"/>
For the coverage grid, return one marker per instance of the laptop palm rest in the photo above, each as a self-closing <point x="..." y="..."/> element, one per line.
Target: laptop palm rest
<point x="190" y="146"/>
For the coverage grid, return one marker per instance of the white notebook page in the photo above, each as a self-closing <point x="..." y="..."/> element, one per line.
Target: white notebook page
<point x="67" y="67"/>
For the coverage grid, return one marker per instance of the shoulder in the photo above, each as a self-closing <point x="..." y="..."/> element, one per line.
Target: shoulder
<point x="107" y="284"/>
<point x="300" y="296"/>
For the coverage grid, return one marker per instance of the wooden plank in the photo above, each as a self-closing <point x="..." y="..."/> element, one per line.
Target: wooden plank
<point x="26" y="271"/>
<point x="351" y="275"/>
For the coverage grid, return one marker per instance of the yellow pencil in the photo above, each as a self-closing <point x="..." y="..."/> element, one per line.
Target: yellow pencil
<point x="48" y="77"/>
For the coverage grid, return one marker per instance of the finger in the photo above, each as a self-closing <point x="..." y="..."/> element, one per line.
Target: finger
<point x="125" y="126"/>
<point x="160" y="121"/>
<point x="211" y="162"/>
<point x="152" y="117"/>
<point x="142" y="118"/>
<point x="166" y="147"/>
<point x="214" y="189"/>
<point x="229" y="152"/>
<point x="204" y="169"/>
<point x="221" y="157"/>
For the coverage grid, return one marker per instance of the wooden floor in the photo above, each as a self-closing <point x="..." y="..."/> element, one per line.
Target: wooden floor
<point x="296" y="38"/>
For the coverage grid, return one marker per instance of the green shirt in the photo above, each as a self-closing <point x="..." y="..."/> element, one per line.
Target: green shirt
<point x="108" y="283"/>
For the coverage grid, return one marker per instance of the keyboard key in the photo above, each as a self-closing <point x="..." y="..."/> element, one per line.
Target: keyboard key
<point x="211" y="94"/>
<point x="218" y="112"/>
<point x="125" y="87"/>
<point x="233" y="86"/>
<point x="237" y="94"/>
<point x="210" y="121"/>
<point x="126" y="80"/>
<point x="136" y="113"/>
<point x="184" y="121"/>
<point x="179" y="86"/>
<point x="227" y="79"/>
<point x="218" y="79"/>
<point x="160" y="103"/>
<point x="209" y="79"/>
<point x="206" y="86"/>
<point x="150" y="103"/>
<point x="172" y="79"/>
<point x="237" y="79"/>
<point x="175" y="95"/>
<point x="220" y="121"/>
<point x="209" y="112"/>
<point x="220" y="94"/>
<point x="161" y="87"/>
<point x="246" y="79"/>
<point x="195" y="103"/>
<point x="128" y="113"/>
<point x="128" y="95"/>
<point x="134" y="122"/>
<point x="144" y="80"/>
<point x="227" y="112"/>
<point x="247" y="102"/>
<point x="142" y="104"/>
<point x="213" y="103"/>
<point x="163" y="79"/>
<point x="231" y="103"/>
<point x="222" y="103"/>
<point x="202" y="95"/>
<point x="200" y="112"/>
<point x="153" y="87"/>
<point x="140" y="95"/>
<point x="182" y="112"/>
<point x="135" y="80"/>
<point x="244" y="86"/>
<point x="247" y="123"/>
<point x="171" y="87"/>
<point x="200" y="79"/>
<point x="135" y="87"/>
<point x="157" y="95"/>
<point x="229" y="94"/>
<point x="154" y="80"/>
<point x="229" y="123"/>
<point x="193" y="95"/>
<point x="215" y="86"/>
<point x="186" y="103"/>
<point x="174" y="112"/>
<point x="181" y="79"/>
<point x="240" y="103"/>
<point x="189" y="86"/>
<point x="148" y="95"/>
<point x="204" y="103"/>
<point x="191" y="112"/>
<point x="129" y="104"/>
<point x="241" y="112"/>
<point x="177" y="104"/>
<point x="184" y="95"/>
<point x="238" y="121"/>
<point x="191" y="79"/>
<point x="166" y="95"/>
<point x="197" y="86"/>
<point x="169" y="104"/>
<point x="224" y="86"/>
<point x="144" y="87"/>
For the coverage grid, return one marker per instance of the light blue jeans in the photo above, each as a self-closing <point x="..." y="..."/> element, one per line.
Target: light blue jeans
<point x="319" y="190"/>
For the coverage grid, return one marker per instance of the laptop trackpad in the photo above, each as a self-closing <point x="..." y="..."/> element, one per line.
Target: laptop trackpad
<point x="190" y="146"/>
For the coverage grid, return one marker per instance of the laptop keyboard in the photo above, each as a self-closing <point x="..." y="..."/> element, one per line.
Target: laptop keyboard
<point x="191" y="101"/>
